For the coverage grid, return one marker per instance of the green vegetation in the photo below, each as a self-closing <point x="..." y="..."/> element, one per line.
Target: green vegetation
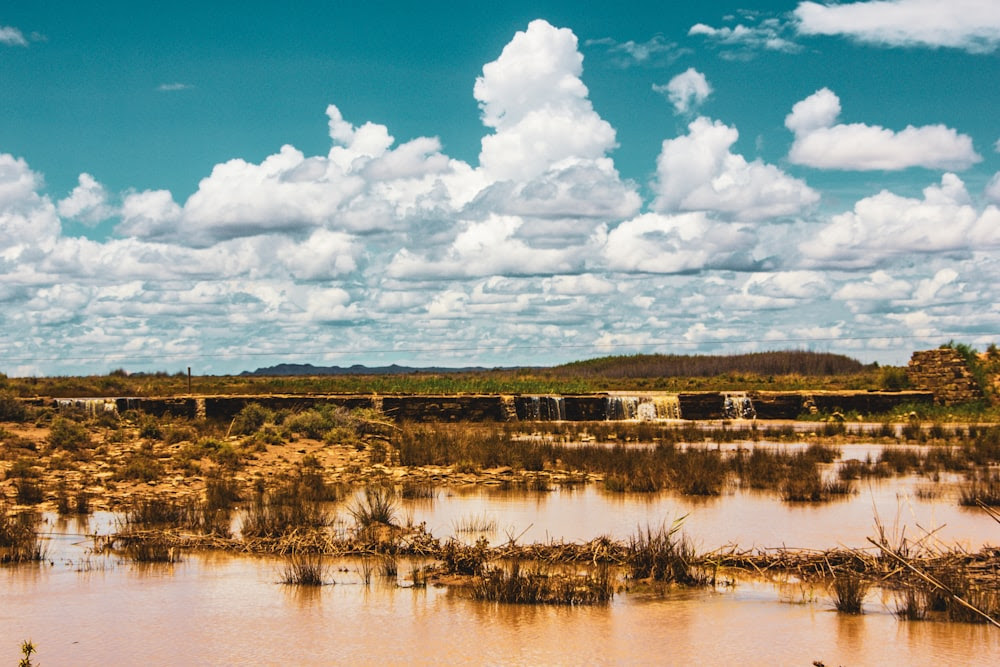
<point x="789" y="370"/>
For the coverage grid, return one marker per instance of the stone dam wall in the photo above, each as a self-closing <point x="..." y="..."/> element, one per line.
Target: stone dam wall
<point x="502" y="408"/>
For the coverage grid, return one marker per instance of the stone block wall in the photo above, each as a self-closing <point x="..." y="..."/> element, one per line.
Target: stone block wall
<point x="945" y="373"/>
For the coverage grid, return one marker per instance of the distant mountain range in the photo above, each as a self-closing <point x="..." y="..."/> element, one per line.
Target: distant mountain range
<point x="356" y="369"/>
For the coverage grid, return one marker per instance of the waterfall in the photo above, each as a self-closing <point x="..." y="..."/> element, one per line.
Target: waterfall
<point x="544" y="408"/>
<point x="642" y="408"/>
<point x="509" y="408"/>
<point x="93" y="406"/>
<point x="619" y="408"/>
<point x="737" y="405"/>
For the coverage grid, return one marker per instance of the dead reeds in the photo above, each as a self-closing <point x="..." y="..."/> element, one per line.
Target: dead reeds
<point x="19" y="541"/>
<point x="538" y="584"/>
<point x="305" y="569"/>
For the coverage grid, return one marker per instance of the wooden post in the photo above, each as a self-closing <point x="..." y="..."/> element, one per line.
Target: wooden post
<point x="189" y="379"/>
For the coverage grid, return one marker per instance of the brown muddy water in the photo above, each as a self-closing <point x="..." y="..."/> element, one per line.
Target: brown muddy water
<point x="85" y="609"/>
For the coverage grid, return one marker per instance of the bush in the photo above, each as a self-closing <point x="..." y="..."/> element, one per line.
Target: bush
<point x="251" y="419"/>
<point x="11" y="409"/>
<point x="67" y="434"/>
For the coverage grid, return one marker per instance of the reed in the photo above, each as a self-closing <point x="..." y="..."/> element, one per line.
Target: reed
<point x="849" y="590"/>
<point x="475" y="523"/>
<point x="517" y="584"/>
<point x="983" y="488"/>
<point x="149" y="548"/>
<point x="277" y="513"/>
<point x="911" y="604"/>
<point x="659" y="555"/>
<point x="460" y="558"/>
<point x="305" y="570"/>
<point x="377" y="506"/>
<point x="19" y="541"/>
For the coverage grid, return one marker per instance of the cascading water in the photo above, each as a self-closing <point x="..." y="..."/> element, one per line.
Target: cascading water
<point x="737" y="405"/>
<point x="621" y="408"/>
<point x="545" y="408"/>
<point x="642" y="408"/>
<point x="93" y="406"/>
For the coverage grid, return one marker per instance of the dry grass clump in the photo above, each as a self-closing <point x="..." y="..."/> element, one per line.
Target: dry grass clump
<point x="475" y="523"/>
<point x="305" y="570"/>
<point x="849" y="590"/>
<point x="660" y="555"/>
<point x="538" y="584"/>
<point x="19" y="541"/>
<point x="982" y="488"/>
<point x="461" y="558"/>
<point x="377" y="506"/>
<point x="281" y="511"/>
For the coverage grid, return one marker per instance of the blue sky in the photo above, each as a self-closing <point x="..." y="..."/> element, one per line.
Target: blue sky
<point x="231" y="185"/>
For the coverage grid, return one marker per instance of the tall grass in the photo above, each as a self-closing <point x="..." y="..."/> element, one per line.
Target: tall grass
<point x="19" y="541"/>
<point x="377" y="506"/>
<point x="660" y="554"/>
<point x="305" y="570"/>
<point x="849" y="590"/>
<point x="537" y="584"/>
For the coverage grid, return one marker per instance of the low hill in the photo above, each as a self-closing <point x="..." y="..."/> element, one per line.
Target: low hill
<point x="789" y="362"/>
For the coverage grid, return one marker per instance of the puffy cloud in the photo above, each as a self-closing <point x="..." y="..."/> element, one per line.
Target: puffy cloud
<point x="698" y="172"/>
<point x="654" y="243"/>
<point x="487" y="248"/>
<point x="878" y="286"/>
<point x="970" y="25"/>
<point x="782" y="289"/>
<point x="88" y="202"/>
<point x="27" y="219"/>
<point x="886" y="225"/>
<point x="11" y="36"/>
<point x="822" y="144"/>
<point x="687" y="90"/>
<point x="584" y="189"/>
<point x="533" y="97"/>
<point x="152" y="214"/>
<point x="993" y="189"/>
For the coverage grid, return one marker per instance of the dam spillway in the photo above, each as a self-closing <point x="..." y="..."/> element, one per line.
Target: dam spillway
<point x="609" y="406"/>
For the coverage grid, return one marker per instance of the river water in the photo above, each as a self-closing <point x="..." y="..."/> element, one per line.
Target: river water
<point x="85" y="609"/>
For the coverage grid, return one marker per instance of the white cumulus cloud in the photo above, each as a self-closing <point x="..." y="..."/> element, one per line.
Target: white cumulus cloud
<point x="88" y="202"/>
<point x="533" y="97"/>
<point x="887" y="225"/>
<point x="821" y="143"/>
<point x="699" y="172"/>
<point x="655" y="243"/>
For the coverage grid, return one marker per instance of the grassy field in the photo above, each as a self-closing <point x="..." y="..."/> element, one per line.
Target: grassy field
<point x="774" y="371"/>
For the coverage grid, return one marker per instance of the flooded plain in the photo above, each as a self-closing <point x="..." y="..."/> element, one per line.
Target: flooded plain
<point x="83" y="608"/>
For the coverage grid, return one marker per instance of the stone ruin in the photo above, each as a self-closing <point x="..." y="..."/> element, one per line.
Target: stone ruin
<point x="945" y="373"/>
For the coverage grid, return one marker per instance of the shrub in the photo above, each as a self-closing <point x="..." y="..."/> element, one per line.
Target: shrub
<point x="251" y="419"/>
<point x="141" y="468"/>
<point x="67" y="434"/>
<point x="11" y="409"/>
<point x="149" y="427"/>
